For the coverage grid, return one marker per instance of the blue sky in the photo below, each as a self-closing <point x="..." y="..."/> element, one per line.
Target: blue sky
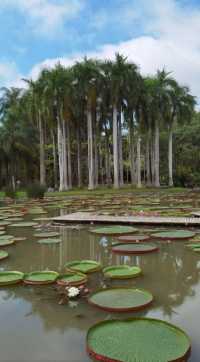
<point x="152" y="33"/>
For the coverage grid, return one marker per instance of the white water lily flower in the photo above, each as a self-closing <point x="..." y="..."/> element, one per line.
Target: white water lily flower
<point x="73" y="292"/>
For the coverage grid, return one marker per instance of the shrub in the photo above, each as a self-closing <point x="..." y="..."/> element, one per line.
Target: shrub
<point x="36" y="191"/>
<point x="10" y="192"/>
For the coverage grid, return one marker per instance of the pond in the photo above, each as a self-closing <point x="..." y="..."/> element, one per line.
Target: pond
<point x="35" y="327"/>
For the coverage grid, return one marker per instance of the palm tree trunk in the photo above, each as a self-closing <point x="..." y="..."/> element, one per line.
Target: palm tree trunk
<point x="148" y="159"/>
<point x="107" y="160"/>
<point x="60" y="153"/>
<point x="55" y="164"/>
<point x="139" y="183"/>
<point x="69" y="161"/>
<point x="157" y="154"/>
<point x="64" y="148"/>
<point x="115" y="148"/>
<point x="78" y="157"/>
<point x="91" y="184"/>
<point x="42" y="151"/>
<point x="170" y="156"/>
<point x="132" y="153"/>
<point x="96" y="163"/>
<point x="121" y="170"/>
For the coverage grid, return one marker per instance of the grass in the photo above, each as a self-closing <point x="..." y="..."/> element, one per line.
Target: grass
<point x="103" y="191"/>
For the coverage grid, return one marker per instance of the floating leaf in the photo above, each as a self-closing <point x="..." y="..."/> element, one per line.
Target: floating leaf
<point x="137" y="339"/>
<point x="114" y="230"/>
<point x="133" y="238"/>
<point x="3" y="254"/>
<point x="41" y="277"/>
<point x="121" y="299"/>
<point x="49" y="241"/>
<point x="24" y="224"/>
<point x="51" y="234"/>
<point x="126" y="249"/>
<point x="84" y="266"/>
<point x="175" y="235"/>
<point x="72" y="279"/>
<point x="10" y="277"/>
<point x="121" y="271"/>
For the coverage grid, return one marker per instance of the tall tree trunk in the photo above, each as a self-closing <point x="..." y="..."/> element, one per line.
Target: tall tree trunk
<point x="132" y="153"/>
<point x="42" y="151"/>
<point x="55" y="163"/>
<point x="115" y="148"/>
<point x="96" y="163"/>
<point x="139" y="183"/>
<point x="64" y="147"/>
<point x="69" y="161"/>
<point x="107" y="161"/>
<point x="148" y="159"/>
<point x="170" y="156"/>
<point x="121" y="168"/>
<point x="91" y="184"/>
<point x="157" y="154"/>
<point x="60" y="154"/>
<point x="78" y="157"/>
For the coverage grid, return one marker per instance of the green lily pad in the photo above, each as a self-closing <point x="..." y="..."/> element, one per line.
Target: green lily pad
<point x="139" y="340"/>
<point x="135" y="248"/>
<point x="13" y="219"/>
<point x="121" y="271"/>
<point x="84" y="266"/>
<point x="49" y="241"/>
<point x="47" y="235"/>
<point x="6" y="241"/>
<point x="36" y="211"/>
<point x="174" y="235"/>
<point x="10" y="277"/>
<point x="41" y="277"/>
<point x="4" y="223"/>
<point x="24" y="224"/>
<point x="72" y="279"/>
<point x="121" y="299"/>
<point x="114" y="230"/>
<point x="3" y="254"/>
<point x="133" y="238"/>
<point x="20" y="238"/>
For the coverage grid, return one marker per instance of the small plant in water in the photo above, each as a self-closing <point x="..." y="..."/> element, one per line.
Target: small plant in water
<point x="70" y="293"/>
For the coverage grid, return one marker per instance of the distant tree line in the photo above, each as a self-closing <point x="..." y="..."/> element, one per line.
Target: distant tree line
<point x="94" y="123"/>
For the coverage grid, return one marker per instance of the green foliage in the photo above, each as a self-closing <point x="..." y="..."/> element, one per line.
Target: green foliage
<point x="10" y="192"/>
<point x="36" y="191"/>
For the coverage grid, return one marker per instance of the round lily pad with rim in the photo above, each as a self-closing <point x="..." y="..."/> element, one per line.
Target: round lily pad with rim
<point x="6" y="242"/>
<point x="72" y="279"/>
<point x="137" y="339"/>
<point x="49" y="241"/>
<point x="50" y="234"/>
<point x="10" y="277"/>
<point x="121" y="271"/>
<point x="4" y="223"/>
<point x="134" y="248"/>
<point x="41" y="277"/>
<point x="174" y="235"/>
<point x="122" y="299"/>
<point x="133" y="238"/>
<point x="114" y="230"/>
<point x="20" y="238"/>
<point x="2" y="232"/>
<point x="84" y="266"/>
<point x="24" y="224"/>
<point x="3" y="254"/>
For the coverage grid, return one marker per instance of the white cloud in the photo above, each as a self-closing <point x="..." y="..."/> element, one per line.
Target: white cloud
<point x="45" y="16"/>
<point x="10" y="75"/>
<point x="173" y="42"/>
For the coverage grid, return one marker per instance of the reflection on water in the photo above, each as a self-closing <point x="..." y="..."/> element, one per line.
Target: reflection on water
<point x="35" y="327"/>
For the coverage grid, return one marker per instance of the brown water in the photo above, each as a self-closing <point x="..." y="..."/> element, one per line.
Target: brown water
<point x="34" y="327"/>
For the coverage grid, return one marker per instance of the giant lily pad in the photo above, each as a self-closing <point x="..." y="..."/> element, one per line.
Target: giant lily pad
<point x="10" y="277"/>
<point x="84" y="266"/>
<point x="41" y="277"/>
<point x="49" y="241"/>
<point x="4" y="223"/>
<point x="6" y="241"/>
<point x="133" y="238"/>
<point x="2" y="232"/>
<point x="50" y="234"/>
<point x="139" y="340"/>
<point x="72" y="279"/>
<point x="174" y="235"/>
<point x="24" y="224"/>
<point x="126" y="249"/>
<point x="114" y="230"/>
<point x="121" y="299"/>
<point x="121" y="271"/>
<point x="3" y="254"/>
